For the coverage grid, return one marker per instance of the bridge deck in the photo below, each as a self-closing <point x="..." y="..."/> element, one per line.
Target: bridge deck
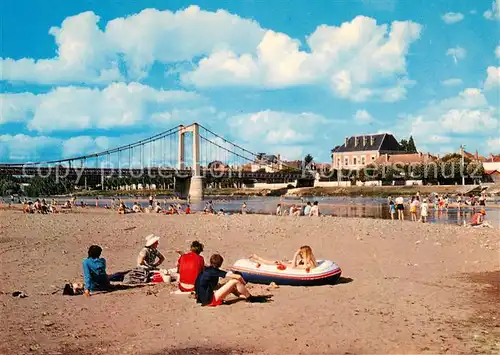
<point x="60" y="171"/>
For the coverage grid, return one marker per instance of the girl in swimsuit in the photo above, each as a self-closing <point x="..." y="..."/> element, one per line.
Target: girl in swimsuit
<point x="302" y="259"/>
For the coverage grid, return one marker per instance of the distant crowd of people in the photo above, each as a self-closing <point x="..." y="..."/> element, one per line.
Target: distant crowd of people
<point x="419" y="211"/>
<point x="306" y="210"/>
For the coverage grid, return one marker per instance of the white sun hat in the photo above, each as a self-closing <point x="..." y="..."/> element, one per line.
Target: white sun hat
<point x="151" y="239"/>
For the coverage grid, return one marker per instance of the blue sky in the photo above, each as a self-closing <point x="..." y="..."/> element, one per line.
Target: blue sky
<point x="80" y="77"/>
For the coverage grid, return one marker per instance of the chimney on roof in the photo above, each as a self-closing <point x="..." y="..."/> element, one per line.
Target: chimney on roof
<point x="476" y="155"/>
<point x="364" y="141"/>
<point x="346" y="141"/>
<point x="372" y="140"/>
<point x="356" y="141"/>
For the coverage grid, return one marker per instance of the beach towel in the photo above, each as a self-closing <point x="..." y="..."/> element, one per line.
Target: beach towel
<point x="137" y="276"/>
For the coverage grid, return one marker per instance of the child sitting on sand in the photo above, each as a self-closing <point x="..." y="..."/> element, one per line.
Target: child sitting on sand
<point x="94" y="271"/>
<point x="189" y="266"/>
<point x="478" y="219"/>
<point x="210" y="293"/>
<point x="302" y="259"/>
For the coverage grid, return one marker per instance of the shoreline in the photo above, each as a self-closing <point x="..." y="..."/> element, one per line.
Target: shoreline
<point x="349" y="191"/>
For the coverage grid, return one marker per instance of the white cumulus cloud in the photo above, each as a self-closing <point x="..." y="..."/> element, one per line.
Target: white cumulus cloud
<point x="85" y="53"/>
<point x="363" y="117"/>
<point x="493" y="78"/>
<point x="497" y="51"/>
<point x="494" y="12"/>
<point x="467" y="115"/>
<point x="359" y="60"/>
<point x="284" y="133"/>
<point x="17" y="107"/>
<point x="24" y="148"/>
<point x="78" y="108"/>
<point x="457" y="53"/>
<point x="452" y="17"/>
<point x="452" y="82"/>
<point x="494" y="144"/>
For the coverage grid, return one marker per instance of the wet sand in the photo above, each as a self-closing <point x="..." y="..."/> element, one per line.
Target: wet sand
<point x="406" y="287"/>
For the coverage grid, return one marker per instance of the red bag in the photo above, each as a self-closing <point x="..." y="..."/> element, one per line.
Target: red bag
<point x="157" y="278"/>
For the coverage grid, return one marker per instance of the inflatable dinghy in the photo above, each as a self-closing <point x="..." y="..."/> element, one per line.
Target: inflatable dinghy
<point x="327" y="272"/>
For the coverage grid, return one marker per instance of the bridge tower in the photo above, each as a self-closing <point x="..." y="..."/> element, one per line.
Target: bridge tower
<point x="196" y="184"/>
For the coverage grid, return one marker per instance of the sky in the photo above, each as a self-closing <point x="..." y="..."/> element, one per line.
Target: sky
<point x="289" y="78"/>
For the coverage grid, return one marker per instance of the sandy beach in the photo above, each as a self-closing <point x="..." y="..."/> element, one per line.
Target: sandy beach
<point x="406" y="287"/>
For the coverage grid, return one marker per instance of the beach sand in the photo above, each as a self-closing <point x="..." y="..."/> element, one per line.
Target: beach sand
<point x="406" y="287"/>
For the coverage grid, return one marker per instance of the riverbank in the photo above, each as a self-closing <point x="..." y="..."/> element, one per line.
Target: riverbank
<point x="379" y="191"/>
<point x="349" y="191"/>
<point x="406" y="287"/>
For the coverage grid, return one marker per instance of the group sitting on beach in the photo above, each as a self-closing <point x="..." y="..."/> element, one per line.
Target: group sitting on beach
<point x="193" y="276"/>
<point x="40" y="206"/>
<point x="295" y="210"/>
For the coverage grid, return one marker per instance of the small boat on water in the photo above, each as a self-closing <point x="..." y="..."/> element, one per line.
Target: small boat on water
<point x="326" y="273"/>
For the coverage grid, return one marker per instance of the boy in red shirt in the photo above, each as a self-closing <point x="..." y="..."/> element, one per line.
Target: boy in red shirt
<point x="189" y="266"/>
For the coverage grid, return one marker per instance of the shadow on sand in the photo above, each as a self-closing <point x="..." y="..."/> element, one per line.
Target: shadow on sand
<point x="201" y="351"/>
<point x="343" y="280"/>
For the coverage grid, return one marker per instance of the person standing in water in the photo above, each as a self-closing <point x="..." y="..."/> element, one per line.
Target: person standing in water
<point x="400" y="207"/>
<point x="424" y="210"/>
<point x="392" y="209"/>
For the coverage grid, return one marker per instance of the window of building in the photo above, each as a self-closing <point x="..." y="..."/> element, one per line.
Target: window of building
<point x="338" y="162"/>
<point x="346" y="161"/>
<point x="354" y="160"/>
<point x="363" y="160"/>
<point x="373" y="157"/>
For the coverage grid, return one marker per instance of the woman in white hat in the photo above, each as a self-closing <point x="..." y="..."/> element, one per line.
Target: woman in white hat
<point x="148" y="255"/>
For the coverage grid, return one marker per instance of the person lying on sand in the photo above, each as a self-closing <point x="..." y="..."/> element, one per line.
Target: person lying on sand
<point x="302" y="259"/>
<point x="94" y="271"/>
<point x="210" y="293"/>
<point x="189" y="266"/>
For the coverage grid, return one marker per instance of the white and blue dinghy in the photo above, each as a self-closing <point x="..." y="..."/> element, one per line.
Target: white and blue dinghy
<point x="326" y="273"/>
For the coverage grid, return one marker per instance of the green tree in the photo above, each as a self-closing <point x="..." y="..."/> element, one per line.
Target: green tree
<point x="308" y="159"/>
<point x="411" y="148"/>
<point x="9" y="187"/>
<point x="404" y="144"/>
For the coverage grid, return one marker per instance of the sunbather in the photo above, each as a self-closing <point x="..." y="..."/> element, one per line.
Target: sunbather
<point x="302" y="259"/>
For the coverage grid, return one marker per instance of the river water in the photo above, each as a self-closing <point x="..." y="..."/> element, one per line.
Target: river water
<point x="366" y="207"/>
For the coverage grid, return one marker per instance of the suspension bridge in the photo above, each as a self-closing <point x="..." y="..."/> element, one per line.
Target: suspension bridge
<point x="168" y="156"/>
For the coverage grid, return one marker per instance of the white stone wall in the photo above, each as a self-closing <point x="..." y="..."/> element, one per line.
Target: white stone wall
<point x="331" y="183"/>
